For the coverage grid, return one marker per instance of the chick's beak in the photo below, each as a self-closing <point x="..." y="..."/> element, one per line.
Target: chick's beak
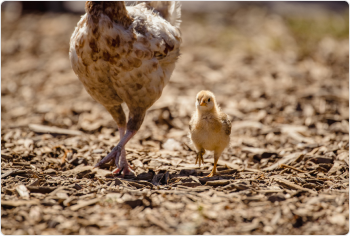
<point x="202" y="103"/>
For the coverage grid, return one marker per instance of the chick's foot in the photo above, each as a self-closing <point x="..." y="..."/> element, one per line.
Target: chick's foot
<point x="212" y="173"/>
<point x="199" y="159"/>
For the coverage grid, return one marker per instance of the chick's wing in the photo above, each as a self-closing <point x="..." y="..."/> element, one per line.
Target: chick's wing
<point x="226" y="123"/>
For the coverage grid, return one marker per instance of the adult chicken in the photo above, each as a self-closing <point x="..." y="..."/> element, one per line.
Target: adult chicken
<point x="126" y="54"/>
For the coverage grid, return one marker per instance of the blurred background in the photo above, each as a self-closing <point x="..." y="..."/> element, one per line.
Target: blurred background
<point x="272" y="62"/>
<point x="279" y="69"/>
<point x="269" y="63"/>
<point x="286" y="59"/>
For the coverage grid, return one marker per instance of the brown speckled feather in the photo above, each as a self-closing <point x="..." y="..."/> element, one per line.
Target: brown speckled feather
<point x="124" y="54"/>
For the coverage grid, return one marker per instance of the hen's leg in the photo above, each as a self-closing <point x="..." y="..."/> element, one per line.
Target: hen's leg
<point x="120" y="152"/>
<point x="216" y="158"/>
<point x="121" y="135"/>
<point x="134" y="123"/>
<point x="119" y="117"/>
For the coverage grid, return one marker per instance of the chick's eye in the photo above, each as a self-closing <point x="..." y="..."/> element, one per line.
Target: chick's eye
<point x="209" y="100"/>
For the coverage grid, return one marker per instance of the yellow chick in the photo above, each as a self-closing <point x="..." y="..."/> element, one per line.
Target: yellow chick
<point x="210" y="128"/>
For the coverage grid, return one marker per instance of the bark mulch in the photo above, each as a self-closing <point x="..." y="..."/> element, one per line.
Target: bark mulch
<point x="282" y="79"/>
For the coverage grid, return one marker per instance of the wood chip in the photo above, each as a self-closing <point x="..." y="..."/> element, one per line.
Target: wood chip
<point x="52" y="130"/>
<point x="157" y="222"/>
<point x="84" y="204"/>
<point x="36" y="189"/>
<point x="19" y="203"/>
<point x="22" y="191"/>
<point x="285" y="160"/>
<point x="288" y="184"/>
<point x="293" y="168"/>
<point x="217" y="182"/>
<point x="223" y="163"/>
<point x="15" y="172"/>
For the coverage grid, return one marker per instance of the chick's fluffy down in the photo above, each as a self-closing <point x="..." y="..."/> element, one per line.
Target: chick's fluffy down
<point x="210" y="128"/>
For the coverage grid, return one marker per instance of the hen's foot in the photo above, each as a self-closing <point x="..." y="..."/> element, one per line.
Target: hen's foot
<point x="123" y="170"/>
<point x="115" y="153"/>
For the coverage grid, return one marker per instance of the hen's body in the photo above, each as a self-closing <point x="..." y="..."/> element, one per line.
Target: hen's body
<point x="126" y="54"/>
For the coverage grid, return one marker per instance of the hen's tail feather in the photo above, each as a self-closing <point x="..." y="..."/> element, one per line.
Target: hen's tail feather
<point x="171" y="11"/>
<point x="175" y="14"/>
<point x="116" y="11"/>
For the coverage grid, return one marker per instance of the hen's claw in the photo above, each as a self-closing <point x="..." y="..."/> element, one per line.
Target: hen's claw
<point x="116" y="151"/>
<point x="125" y="169"/>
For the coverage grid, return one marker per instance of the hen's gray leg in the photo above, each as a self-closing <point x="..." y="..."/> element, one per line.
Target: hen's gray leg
<point x="119" y="116"/>
<point x="134" y="123"/>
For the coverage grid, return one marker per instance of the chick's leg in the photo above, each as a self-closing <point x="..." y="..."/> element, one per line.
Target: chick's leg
<point x="199" y="157"/>
<point x="216" y="158"/>
<point x="200" y="152"/>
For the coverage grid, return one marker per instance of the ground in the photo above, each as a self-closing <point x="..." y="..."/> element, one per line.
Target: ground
<point x="282" y="79"/>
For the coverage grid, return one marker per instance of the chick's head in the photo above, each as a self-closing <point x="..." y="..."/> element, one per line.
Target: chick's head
<point x="205" y="101"/>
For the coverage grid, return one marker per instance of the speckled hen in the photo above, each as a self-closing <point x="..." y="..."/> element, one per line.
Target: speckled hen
<point x="126" y="54"/>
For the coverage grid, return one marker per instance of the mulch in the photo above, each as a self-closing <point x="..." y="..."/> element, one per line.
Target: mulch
<point x="286" y="170"/>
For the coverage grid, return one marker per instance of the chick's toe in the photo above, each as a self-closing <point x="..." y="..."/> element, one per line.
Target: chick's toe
<point x="199" y="158"/>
